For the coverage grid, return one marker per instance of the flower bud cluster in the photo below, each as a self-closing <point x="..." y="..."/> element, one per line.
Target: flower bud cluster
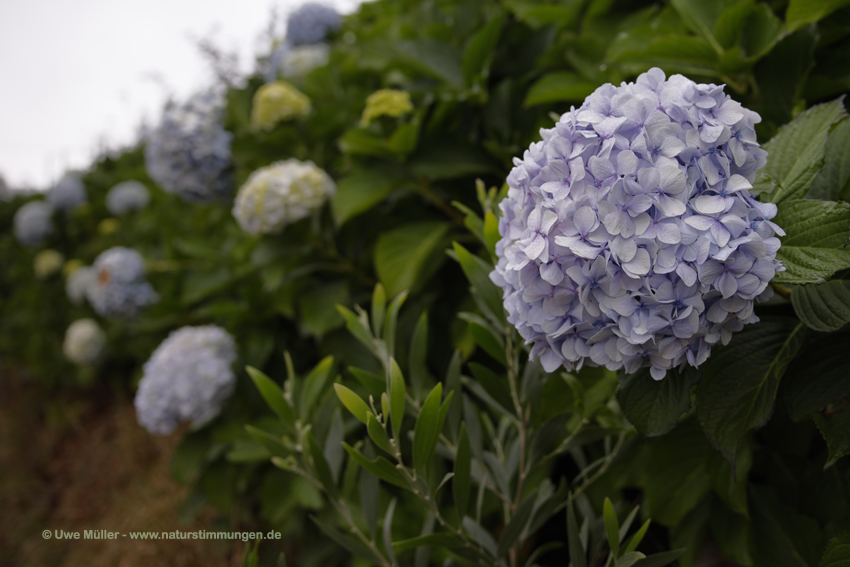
<point x="629" y="236"/>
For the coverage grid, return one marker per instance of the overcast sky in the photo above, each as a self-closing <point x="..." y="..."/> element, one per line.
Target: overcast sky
<point x="76" y="73"/>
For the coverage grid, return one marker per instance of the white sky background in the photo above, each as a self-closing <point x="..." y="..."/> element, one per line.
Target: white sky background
<point x="75" y="74"/>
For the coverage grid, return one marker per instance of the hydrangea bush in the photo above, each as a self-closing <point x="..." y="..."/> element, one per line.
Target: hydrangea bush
<point x="33" y="223"/>
<point x="280" y="194"/>
<point x="629" y="235"/>
<point x="85" y="342"/>
<point x="120" y="289"/>
<point x="186" y="379"/>
<point x="68" y="193"/>
<point x="188" y="153"/>
<point x="127" y="196"/>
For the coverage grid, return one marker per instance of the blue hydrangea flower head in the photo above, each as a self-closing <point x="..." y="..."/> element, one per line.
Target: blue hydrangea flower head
<point x="127" y="196"/>
<point x="311" y="23"/>
<point x="68" y="193"/>
<point x="33" y="223"/>
<point x="188" y="154"/>
<point x="119" y="289"/>
<point x="187" y="379"/>
<point x="629" y="236"/>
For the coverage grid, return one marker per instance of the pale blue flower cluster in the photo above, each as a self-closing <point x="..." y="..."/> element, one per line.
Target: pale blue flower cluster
<point x="294" y="62"/>
<point x="119" y="288"/>
<point x="68" y="193"/>
<point x="188" y="154"/>
<point x="33" y="223"/>
<point x="629" y="236"/>
<point x="311" y="23"/>
<point x="127" y="196"/>
<point x="188" y="378"/>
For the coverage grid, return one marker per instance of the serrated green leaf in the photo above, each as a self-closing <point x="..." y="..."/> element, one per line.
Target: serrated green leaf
<point x="796" y="152"/>
<point x="398" y="390"/>
<point x="739" y="381"/>
<point x="380" y="467"/>
<point x="837" y="553"/>
<point x="818" y="376"/>
<point x="612" y="527"/>
<point x="405" y="257"/>
<point x="802" y="12"/>
<point x="813" y="247"/>
<point x="273" y="395"/>
<point x="478" y="273"/>
<point x="427" y="429"/>
<point x="654" y="406"/>
<point x="559" y="86"/>
<point x="836" y="431"/>
<point x="823" y="307"/>
<point x="516" y="526"/>
<point x="462" y="470"/>
<point x="782" y="536"/>
<point x="352" y="402"/>
<point x="833" y="181"/>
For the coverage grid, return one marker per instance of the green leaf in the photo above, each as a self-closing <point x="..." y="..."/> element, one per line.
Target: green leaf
<point x="578" y="557"/>
<point x="418" y="355"/>
<point x="374" y="383"/>
<point x="379" y="308"/>
<point x="346" y="541"/>
<point x="361" y="191"/>
<point x="352" y="401"/>
<point x="488" y="341"/>
<point x="700" y="16"/>
<point x="635" y="540"/>
<point x="478" y="273"/>
<point x="837" y="553"/>
<point x="818" y="376"/>
<point x="479" y="50"/>
<point x="427" y="430"/>
<point x="764" y="30"/>
<point x="462" y="470"/>
<point x="833" y="181"/>
<point x="435" y="58"/>
<point x="673" y="52"/>
<point x="378" y="434"/>
<point x="731" y="22"/>
<point x="491" y="232"/>
<point x="388" y="533"/>
<point x="782" y="72"/>
<point x="823" y="307"/>
<point x="612" y="527"/>
<point x="271" y="443"/>
<point x="660" y="559"/>
<point x="739" y="381"/>
<point x="813" y="248"/>
<point x="398" y="391"/>
<point x="446" y="540"/>
<point x="273" y="395"/>
<point x="449" y="160"/>
<point x="357" y="326"/>
<point x="782" y="537"/>
<point x="380" y="467"/>
<point x="802" y="12"/>
<point x="796" y="152"/>
<point x="390" y="323"/>
<point x="320" y="465"/>
<point x="654" y="406"/>
<point x="189" y="456"/>
<point x="314" y="385"/>
<point x="629" y="559"/>
<point x="515" y="527"/>
<point x="836" y="431"/>
<point x="405" y="257"/>
<point x="560" y="86"/>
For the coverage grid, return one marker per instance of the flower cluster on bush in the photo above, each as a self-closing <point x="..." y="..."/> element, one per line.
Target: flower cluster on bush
<point x="280" y="194"/>
<point x="127" y="196"/>
<point x="188" y="154"/>
<point x="187" y="378"/>
<point x="276" y="102"/>
<point x="311" y="23"/>
<point x="33" y="223"/>
<point x="68" y="193"/>
<point x="47" y="262"/>
<point x="85" y="342"/>
<point x="78" y="283"/>
<point x="629" y="236"/>
<point x="386" y="102"/>
<point x="119" y="288"/>
<point x="294" y="62"/>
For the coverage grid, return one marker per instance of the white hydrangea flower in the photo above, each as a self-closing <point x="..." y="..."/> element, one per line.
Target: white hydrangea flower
<point x="84" y="342"/>
<point x="187" y="378"/>
<point x="78" y="283"/>
<point x="280" y="194"/>
<point x="127" y="196"/>
<point x="33" y="223"/>
<point x="294" y="62"/>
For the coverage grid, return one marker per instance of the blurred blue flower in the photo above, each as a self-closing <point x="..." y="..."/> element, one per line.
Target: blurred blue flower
<point x="119" y="288"/>
<point x="187" y="378"/>
<point x="188" y="154"/>
<point x="33" y="223"/>
<point x="68" y="193"/>
<point x="127" y="196"/>
<point x="311" y="23"/>
<point x="629" y="236"/>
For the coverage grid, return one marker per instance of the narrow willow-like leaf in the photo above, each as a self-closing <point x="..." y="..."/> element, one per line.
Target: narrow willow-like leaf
<point x="380" y="467"/>
<point x="446" y="540"/>
<point x="488" y="341"/>
<point x="378" y="434"/>
<point x="388" y="532"/>
<point x="346" y="541"/>
<point x="463" y="469"/>
<point x="352" y="402"/>
<point x="405" y="257"/>
<point x="397" y="395"/>
<point x="418" y="355"/>
<point x="635" y="540"/>
<point x="478" y="273"/>
<point x="320" y="465"/>
<point x="661" y="559"/>
<point x="314" y="385"/>
<point x="515" y="527"/>
<point x="273" y="395"/>
<point x="427" y="429"/>
<point x="612" y="527"/>
<point x="379" y="308"/>
<point x="272" y="444"/>
<point x="357" y="327"/>
<point x="578" y="557"/>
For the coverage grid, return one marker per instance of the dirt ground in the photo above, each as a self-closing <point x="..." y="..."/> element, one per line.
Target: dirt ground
<point x="86" y="465"/>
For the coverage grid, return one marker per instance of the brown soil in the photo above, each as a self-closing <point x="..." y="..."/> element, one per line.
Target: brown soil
<point x="73" y="464"/>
